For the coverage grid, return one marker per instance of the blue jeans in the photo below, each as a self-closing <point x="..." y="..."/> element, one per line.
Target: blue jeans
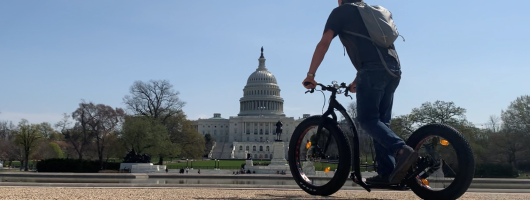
<point x="375" y="95"/>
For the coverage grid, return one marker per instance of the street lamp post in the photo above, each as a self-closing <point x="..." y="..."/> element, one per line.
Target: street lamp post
<point x="215" y="164"/>
<point x="186" y="163"/>
<point x="261" y="108"/>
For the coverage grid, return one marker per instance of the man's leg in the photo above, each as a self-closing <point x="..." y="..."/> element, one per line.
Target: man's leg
<point x="371" y="89"/>
<point x="406" y="156"/>
<point x="385" y="157"/>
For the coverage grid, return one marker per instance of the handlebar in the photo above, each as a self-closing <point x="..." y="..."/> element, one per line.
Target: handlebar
<point x="335" y="88"/>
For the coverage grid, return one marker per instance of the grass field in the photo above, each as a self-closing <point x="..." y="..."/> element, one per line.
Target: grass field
<point x="524" y="176"/>
<point x="224" y="164"/>
<point x="209" y="164"/>
<point x="236" y="164"/>
<point x="17" y="163"/>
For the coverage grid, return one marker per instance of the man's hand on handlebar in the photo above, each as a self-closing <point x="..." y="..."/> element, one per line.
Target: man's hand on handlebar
<point x="353" y="86"/>
<point x="311" y="80"/>
<point x="335" y="88"/>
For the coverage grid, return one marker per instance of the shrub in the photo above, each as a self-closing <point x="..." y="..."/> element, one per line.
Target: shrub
<point x="491" y="170"/>
<point x="74" y="165"/>
<point x="524" y="166"/>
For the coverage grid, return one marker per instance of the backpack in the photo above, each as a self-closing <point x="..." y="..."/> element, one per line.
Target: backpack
<point x="380" y="26"/>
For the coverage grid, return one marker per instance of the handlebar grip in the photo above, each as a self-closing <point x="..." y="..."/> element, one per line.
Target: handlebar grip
<point x="309" y="83"/>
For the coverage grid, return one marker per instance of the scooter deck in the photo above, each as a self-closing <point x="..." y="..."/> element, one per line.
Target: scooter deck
<point x="368" y="187"/>
<point x="389" y="187"/>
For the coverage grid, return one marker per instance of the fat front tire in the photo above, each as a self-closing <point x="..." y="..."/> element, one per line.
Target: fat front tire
<point x="343" y="166"/>
<point x="466" y="162"/>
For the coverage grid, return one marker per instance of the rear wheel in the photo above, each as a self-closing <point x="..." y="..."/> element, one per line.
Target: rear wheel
<point x="316" y="170"/>
<point x="450" y="160"/>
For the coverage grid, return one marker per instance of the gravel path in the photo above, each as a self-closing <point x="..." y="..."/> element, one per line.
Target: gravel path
<point x="206" y="193"/>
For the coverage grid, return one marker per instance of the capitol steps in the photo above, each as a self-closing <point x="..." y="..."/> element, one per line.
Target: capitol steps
<point x="218" y="150"/>
<point x="227" y="151"/>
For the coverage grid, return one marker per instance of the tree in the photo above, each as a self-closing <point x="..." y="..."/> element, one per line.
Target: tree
<point x="77" y="136"/>
<point x="510" y="145"/>
<point x="4" y="149"/>
<point x="352" y="109"/>
<point x="66" y="148"/>
<point x="6" y="129"/>
<point x="115" y="148"/>
<point x="27" y="137"/>
<point x="100" y="122"/>
<point x="56" y="149"/>
<point x="191" y="142"/>
<point x="438" y="112"/>
<point x="146" y="135"/>
<point x="208" y="140"/>
<point x="444" y="113"/>
<point x="494" y="123"/>
<point x="403" y="126"/>
<point x="43" y="150"/>
<point x="7" y="151"/>
<point x="47" y="131"/>
<point x="512" y="140"/>
<point x="10" y="151"/>
<point x="155" y="99"/>
<point x="517" y="116"/>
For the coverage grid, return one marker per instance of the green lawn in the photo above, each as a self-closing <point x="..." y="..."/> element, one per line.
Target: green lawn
<point x="524" y="176"/>
<point x="209" y="164"/>
<point x="236" y="164"/>
<point x="17" y="163"/>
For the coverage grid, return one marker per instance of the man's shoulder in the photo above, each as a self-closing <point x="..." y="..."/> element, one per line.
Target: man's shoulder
<point x="343" y="11"/>
<point x="345" y="8"/>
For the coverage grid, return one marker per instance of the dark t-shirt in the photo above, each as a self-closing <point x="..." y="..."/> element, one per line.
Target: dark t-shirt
<point x="360" y="50"/>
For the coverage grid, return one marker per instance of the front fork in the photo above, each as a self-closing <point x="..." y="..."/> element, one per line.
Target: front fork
<point x="322" y="151"/>
<point x="356" y="174"/>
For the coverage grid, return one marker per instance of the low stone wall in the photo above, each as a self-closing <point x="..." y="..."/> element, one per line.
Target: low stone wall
<point x="485" y="183"/>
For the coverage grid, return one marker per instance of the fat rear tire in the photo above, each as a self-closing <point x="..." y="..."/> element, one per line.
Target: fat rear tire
<point x="466" y="162"/>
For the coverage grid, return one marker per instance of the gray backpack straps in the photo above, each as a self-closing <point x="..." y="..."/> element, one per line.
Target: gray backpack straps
<point x="381" y="28"/>
<point x="378" y="51"/>
<point x="379" y="23"/>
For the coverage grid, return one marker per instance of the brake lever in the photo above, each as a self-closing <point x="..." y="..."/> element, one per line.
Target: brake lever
<point x="346" y="93"/>
<point x="347" y="90"/>
<point x="312" y="89"/>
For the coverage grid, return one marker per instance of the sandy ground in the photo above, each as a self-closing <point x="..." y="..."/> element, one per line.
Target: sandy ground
<point x="208" y="193"/>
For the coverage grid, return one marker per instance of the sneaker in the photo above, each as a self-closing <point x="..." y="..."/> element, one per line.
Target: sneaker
<point x="378" y="180"/>
<point x="403" y="162"/>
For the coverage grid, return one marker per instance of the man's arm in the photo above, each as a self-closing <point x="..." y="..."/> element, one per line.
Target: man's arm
<point x="334" y="25"/>
<point x="318" y="56"/>
<point x="321" y="50"/>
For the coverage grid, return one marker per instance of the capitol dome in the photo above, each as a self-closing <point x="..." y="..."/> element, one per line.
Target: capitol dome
<point x="261" y="76"/>
<point x="261" y="95"/>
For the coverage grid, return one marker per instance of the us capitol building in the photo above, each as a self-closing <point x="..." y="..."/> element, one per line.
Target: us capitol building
<point x="253" y="130"/>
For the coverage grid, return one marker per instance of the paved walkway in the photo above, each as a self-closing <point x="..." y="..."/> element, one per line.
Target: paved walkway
<point x="209" y="193"/>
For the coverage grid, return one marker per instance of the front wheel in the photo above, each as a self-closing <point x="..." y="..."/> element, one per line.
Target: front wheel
<point x="316" y="169"/>
<point x="448" y="161"/>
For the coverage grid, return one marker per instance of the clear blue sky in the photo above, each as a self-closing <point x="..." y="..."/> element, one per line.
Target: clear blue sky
<point x="55" y="53"/>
